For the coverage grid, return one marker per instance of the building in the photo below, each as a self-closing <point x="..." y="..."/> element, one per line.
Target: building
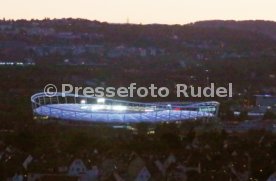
<point x="138" y="171"/>
<point x="83" y="109"/>
<point x="266" y="103"/>
<point x="77" y="168"/>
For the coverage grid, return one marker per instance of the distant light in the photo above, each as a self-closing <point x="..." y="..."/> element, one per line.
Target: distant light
<point x="83" y="101"/>
<point x="151" y="132"/>
<point x="118" y="127"/>
<point x="84" y="107"/>
<point x="119" y="108"/>
<point x="149" y="110"/>
<point x="101" y="100"/>
<point x="97" y="107"/>
<point x="264" y="95"/>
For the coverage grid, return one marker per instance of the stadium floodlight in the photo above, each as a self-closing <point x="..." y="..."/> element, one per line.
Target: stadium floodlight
<point x="83" y="101"/>
<point x="150" y="109"/>
<point x="101" y="100"/>
<point x="119" y="108"/>
<point x="97" y="107"/>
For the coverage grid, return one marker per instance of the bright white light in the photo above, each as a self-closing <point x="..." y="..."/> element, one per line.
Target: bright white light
<point x="149" y="109"/>
<point x="83" y="101"/>
<point x="84" y="107"/>
<point x="101" y="100"/>
<point x="119" y="108"/>
<point x="97" y="107"/>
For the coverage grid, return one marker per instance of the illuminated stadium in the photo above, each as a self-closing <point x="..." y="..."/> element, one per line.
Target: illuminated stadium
<point x="68" y="107"/>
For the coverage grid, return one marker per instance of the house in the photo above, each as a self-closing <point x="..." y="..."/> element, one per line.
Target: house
<point x="179" y="172"/>
<point x="27" y="161"/>
<point x="62" y="169"/>
<point x="272" y="177"/>
<point x="95" y="49"/>
<point x="117" y="52"/>
<point x="143" y="175"/>
<point x="107" y="168"/>
<point x="58" y="178"/>
<point x="90" y="175"/>
<point x="160" y="167"/>
<point x="17" y="177"/>
<point x="117" y="177"/>
<point x="77" y="171"/>
<point x="170" y="160"/>
<point x="40" y="31"/>
<point x="77" y="168"/>
<point x="4" y="27"/>
<point x="34" y="176"/>
<point x="266" y="101"/>
<point x="137" y="170"/>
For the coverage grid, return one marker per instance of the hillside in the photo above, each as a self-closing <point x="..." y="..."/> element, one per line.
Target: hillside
<point x="264" y="27"/>
<point x="78" y="41"/>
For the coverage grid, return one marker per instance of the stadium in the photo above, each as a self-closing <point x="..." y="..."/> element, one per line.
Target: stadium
<point x="68" y="107"/>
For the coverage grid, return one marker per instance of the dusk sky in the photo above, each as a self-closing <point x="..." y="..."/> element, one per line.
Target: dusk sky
<point x="140" y="11"/>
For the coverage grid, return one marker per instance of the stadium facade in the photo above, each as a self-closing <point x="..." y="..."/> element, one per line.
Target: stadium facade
<point x="68" y="107"/>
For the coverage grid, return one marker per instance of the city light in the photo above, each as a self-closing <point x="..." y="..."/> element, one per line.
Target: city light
<point x="119" y="108"/>
<point x="101" y="100"/>
<point x="98" y="107"/>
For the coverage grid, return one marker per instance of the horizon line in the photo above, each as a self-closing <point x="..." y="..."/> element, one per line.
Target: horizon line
<point x="134" y="23"/>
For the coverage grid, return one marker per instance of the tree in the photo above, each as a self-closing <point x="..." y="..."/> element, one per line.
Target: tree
<point x="142" y="128"/>
<point x="243" y="116"/>
<point x="171" y="140"/>
<point x="269" y="115"/>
